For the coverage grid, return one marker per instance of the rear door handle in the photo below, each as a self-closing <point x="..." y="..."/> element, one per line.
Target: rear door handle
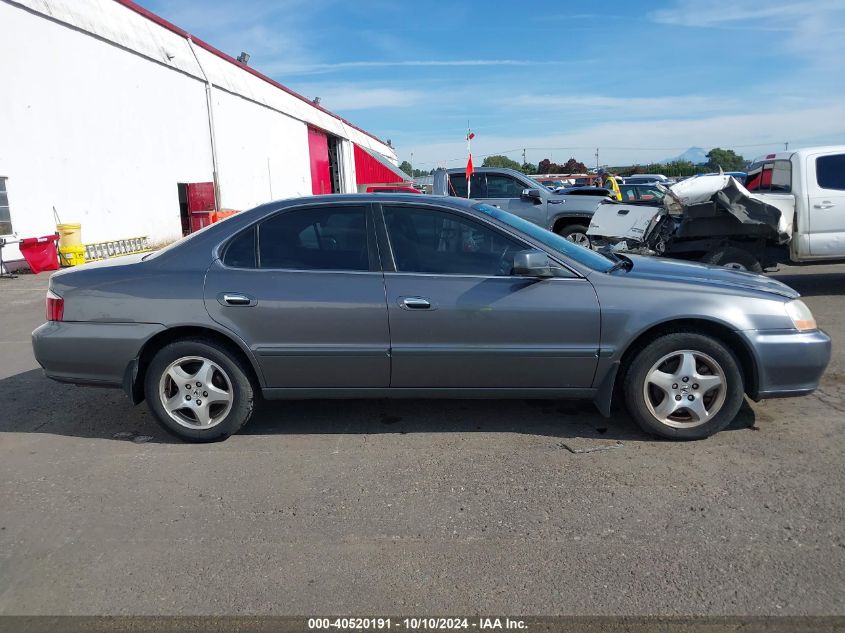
<point x="827" y="204"/>
<point x="416" y="303"/>
<point x="235" y="299"/>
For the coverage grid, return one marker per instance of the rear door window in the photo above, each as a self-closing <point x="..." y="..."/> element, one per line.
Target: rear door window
<point x="240" y="253"/>
<point x="316" y="238"/>
<point x="830" y="172"/>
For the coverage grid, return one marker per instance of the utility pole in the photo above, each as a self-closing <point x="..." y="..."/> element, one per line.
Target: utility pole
<point x="786" y="146"/>
<point x="597" y="159"/>
<point x="523" y="156"/>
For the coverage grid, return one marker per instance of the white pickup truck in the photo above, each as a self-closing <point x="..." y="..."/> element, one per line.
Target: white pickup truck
<point x="792" y="208"/>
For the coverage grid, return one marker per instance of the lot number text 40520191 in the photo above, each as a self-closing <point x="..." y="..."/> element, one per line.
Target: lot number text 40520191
<point x="416" y="624"/>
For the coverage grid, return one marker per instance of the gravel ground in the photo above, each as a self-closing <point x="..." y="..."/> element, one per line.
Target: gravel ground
<point x="416" y="507"/>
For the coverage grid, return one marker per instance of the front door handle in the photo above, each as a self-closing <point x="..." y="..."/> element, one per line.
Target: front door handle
<point x="235" y="299"/>
<point x="416" y="303"/>
<point x="827" y="204"/>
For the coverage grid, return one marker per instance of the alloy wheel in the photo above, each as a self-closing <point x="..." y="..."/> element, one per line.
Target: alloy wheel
<point x="195" y="392"/>
<point x="685" y="389"/>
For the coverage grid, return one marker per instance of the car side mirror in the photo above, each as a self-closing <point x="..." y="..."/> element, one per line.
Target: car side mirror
<point x="534" y="264"/>
<point x="531" y="194"/>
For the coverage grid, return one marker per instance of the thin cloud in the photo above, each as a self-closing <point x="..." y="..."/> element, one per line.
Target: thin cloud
<point x="412" y="63"/>
<point x="350" y="97"/>
<point x="655" y="139"/>
<point x="772" y="16"/>
<point x="687" y="105"/>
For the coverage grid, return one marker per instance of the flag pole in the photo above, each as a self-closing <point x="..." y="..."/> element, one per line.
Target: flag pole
<point x="470" y="169"/>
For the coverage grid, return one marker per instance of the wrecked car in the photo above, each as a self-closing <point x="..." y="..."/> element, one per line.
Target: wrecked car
<point x="793" y="210"/>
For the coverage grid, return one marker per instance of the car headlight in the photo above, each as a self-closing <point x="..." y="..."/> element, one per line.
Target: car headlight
<point x="801" y="316"/>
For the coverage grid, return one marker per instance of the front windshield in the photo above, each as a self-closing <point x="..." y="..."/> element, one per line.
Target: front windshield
<point x="554" y="241"/>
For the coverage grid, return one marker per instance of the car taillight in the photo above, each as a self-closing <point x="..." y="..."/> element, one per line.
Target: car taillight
<point x="55" y="307"/>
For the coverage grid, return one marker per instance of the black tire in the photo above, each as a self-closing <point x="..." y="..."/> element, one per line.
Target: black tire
<point x="733" y="257"/>
<point x="641" y="365"/>
<point x="235" y="380"/>
<point x="572" y="229"/>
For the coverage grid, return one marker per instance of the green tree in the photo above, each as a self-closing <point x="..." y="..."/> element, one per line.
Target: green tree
<point x="528" y="168"/>
<point x="406" y="167"/>
<point x="727" y="159"/>
<point x="500" y="161"/>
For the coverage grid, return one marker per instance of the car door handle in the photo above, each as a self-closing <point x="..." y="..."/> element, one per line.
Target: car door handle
<point x="235" y="299"/>
<point x="827" y="204"/>
<point x="416" y="303"/>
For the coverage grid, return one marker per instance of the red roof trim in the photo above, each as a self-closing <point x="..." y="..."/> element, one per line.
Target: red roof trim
<point x="137" y="8"/>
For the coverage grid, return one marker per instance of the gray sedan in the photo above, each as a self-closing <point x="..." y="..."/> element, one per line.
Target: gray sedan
<point x="391" y="296"/>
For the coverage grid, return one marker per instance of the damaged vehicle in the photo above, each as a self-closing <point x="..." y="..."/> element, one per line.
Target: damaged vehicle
<point x="793" y="209"/>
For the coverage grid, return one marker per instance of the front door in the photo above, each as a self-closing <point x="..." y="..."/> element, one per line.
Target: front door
<point x="458" y="319"/>
<point x="826" y="200"/>
<point x="304" y="291"/>
<point x="505" y="192"/>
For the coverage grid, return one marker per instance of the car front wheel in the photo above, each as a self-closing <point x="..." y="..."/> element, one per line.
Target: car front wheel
<point x="684" y="386"/>
<point x="198" y="390"/>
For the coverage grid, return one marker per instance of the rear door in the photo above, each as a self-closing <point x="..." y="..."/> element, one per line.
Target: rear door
<point x="304" y="290"/>
<point x="505" y="192"/>
<point x="826" y="204"/>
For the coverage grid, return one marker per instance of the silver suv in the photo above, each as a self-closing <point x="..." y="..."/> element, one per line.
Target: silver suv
<point x="566" y="214"/>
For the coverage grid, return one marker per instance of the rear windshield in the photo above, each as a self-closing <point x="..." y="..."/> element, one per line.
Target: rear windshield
<point x="770" y="175"/>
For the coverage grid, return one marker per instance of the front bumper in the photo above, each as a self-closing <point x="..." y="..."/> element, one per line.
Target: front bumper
<point x="789" y="363"/>
<point x="90" y="353"/>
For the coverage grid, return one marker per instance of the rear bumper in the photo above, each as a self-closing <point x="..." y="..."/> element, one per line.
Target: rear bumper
<point x="789" y="363"/>
<point x="90" y="353"/>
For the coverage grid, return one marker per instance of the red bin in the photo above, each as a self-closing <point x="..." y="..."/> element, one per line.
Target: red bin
<point x="40" y="252"/>
<point x="201" y="219"/>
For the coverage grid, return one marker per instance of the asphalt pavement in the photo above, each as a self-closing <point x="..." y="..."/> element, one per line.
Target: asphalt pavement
<point x="417" y="507"/>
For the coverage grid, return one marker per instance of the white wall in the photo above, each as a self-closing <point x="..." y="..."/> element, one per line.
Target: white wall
<point x="103" y="111"/>
<point x="101" y="134"/>
<point x="262" y="155"/>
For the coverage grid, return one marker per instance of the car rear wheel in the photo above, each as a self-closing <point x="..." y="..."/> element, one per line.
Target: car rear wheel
<point x="198" y="390"/>
<point x="684" y="386"/>
<point x="576" y="233"/>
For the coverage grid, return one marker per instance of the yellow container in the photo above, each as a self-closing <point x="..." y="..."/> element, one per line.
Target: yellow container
<point x="72" y="255"/>
<point x="70" y="235"/>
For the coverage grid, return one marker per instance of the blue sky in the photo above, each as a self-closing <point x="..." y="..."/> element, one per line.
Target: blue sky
<point x="639" y="80"/>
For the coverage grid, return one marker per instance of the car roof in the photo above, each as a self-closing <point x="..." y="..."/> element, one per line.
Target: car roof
<point x="381" y="198"/>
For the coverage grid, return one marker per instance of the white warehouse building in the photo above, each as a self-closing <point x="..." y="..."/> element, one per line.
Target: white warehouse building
<point x="121" y="121"/>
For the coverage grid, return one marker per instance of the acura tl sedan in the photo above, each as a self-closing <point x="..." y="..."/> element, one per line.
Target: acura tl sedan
<point x="394" y="296"/>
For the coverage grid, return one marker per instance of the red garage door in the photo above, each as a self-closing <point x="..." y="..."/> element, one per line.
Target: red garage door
<point x="318" y="147"/>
